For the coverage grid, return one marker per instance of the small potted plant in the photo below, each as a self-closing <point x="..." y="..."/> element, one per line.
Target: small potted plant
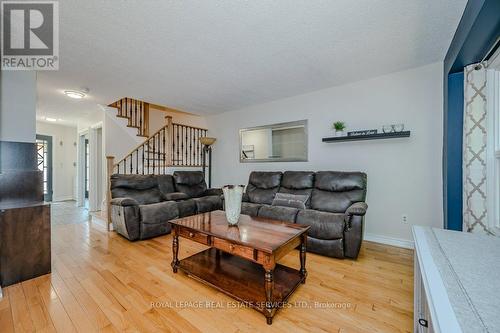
<point x="339" y="127"/>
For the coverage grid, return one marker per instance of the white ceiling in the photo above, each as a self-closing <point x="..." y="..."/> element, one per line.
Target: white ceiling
<point x="213" y="56"/>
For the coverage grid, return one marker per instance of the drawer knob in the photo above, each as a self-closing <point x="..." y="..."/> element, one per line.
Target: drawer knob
<point x="191" y="235"/>
<point x="231" y="247"/>
<point x="423" y="322"/>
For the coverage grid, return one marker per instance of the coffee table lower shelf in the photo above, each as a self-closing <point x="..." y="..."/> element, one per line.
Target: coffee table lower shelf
<point x="241" y="279"/>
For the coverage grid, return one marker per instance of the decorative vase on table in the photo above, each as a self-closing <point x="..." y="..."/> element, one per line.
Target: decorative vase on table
<point x="232" y="202"/>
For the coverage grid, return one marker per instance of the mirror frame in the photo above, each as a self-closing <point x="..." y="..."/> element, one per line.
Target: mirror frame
<point x="287" y="124"/>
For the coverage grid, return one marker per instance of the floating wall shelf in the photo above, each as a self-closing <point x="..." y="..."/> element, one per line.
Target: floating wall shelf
<point x="377" y="136"/>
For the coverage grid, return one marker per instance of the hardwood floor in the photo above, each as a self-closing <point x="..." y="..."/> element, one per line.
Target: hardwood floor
<point x="102" y="282"/>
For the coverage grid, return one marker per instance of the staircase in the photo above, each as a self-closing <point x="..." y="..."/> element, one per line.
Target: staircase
<point x="136" y="112"/>
<point x="173" y="145"/>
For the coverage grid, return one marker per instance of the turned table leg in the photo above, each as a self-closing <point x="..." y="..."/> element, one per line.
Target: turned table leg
<point x="303" y="249"/>
<point x="175" y="250"/>
<point x="269" y="286"/>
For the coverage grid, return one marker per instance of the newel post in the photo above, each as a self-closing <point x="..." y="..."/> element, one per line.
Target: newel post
<point x="170" y="132"/>
<point x="110" y="164"/>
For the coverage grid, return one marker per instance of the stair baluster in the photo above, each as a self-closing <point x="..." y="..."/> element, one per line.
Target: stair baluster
<point x="172" y="145"/>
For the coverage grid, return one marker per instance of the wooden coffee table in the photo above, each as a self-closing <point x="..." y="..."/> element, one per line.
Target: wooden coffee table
<point x="242" y="260"/>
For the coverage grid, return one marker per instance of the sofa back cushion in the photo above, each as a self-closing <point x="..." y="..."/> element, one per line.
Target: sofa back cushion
<point x="190" y="182"/>
<point x="166" y="184"/>
<point x="262" y="186"/>
<point x="299" y="183"/>
<point x="335" y="191"/>
<point x="143" y="188"/>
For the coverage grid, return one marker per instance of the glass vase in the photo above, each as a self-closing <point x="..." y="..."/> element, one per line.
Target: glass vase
<point x="232" y="202"/>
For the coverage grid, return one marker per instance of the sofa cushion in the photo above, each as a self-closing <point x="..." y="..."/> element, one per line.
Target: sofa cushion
<point x="143" y="197"/>
<point x="260" y="196"/>
<point x="175" y="196"/>
<point x="186" y="207"/>
<point x="142" y="188"/>
<point x="286" y="214"/>
<point x="166" y="184"/>
<point x="323" y="225"/>
<point x="136" y="182"/>
<point x="208" y="203"/>
<point x="290" y="200"/>
<point x="334" y="202"/>
<point x="298" y="180"/>
<point x="249" y="208"/>
<point x="336" y="181"/>
<point x="188" y="177"/>
<point x="191" y="183"/>
<point x="336" y="191"/>
<point x="158" y="212"/>
<point x="264" y="179"/>
<point x="262" y="186"/>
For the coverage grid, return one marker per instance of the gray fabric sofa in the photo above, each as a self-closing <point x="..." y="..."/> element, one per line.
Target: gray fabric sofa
<point x="142" y="205"/>
<point x="335" y="209"/>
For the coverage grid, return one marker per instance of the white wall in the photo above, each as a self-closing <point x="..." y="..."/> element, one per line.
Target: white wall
<point x="157" y="119"/>
<point x="17" y="106"/>
<point x="404" y="175"/>
<point x="64" y="155"/>
<point x="119" y="139"/>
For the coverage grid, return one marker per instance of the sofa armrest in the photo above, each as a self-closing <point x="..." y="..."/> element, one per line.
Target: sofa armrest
<point x="245" y="198"/>
<point x="124" y="202"/>
<point x="353" y="236"/>
<point x="212" y="191"/>
<point x="126" y="219"/>
<point x="357" y="208"/>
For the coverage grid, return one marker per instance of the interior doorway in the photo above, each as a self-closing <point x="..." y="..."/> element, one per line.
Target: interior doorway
<point x="96" y="167"/>
<point x="87" y="168"/>
<point x="44" y="163"/>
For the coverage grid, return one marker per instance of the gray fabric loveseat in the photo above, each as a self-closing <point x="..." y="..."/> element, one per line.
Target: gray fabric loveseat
<point x="334" y="209"/>
<point x="142" y="205"/>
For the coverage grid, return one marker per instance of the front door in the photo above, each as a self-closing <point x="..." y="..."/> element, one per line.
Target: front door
<point x="44" y="162"/>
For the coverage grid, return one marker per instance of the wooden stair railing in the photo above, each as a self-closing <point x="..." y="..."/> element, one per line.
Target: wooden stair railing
<point x="136" y="112"/>
<point x="173" y="145"/>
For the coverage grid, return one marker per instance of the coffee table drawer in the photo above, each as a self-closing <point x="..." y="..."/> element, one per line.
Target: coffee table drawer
<point x="239" y="250"/>
<point x="194" y="235"/>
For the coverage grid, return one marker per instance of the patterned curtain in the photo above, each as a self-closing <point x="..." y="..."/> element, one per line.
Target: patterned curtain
<point x="474" y="151"/>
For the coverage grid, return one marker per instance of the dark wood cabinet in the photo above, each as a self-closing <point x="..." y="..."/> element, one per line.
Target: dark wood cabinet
<point x="24" y="242"/>
<point x="24" y="217"/>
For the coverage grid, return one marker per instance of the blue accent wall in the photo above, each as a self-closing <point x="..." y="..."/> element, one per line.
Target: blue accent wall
<point x="478" y="29"/>
<point x="454" y="125"/>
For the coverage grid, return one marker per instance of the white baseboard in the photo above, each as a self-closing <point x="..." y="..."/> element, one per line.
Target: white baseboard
<point x="389" y="240"/>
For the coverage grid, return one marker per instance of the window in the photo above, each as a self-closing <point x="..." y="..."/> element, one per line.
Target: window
<point x="44" y="163"/>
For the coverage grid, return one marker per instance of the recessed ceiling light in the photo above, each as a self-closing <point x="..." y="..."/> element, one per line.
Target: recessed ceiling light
<point x="50" y="119"/>
<point x="74" y="94"/>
